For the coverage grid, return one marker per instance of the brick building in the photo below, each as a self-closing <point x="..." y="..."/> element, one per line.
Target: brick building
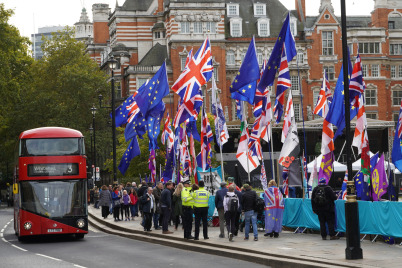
<point x="142" y="34"/>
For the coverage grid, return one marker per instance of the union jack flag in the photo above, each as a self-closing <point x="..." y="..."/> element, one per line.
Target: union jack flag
<point x="322" y="105"/>
<point x="221" y="130"/>
<point x="246" y="159"/>
<point x="167" y="131"/>
<point x="266" y="118"/>
<point x="344" y="187"/>
<point x="197" y="73"/>
<point x="188" y="110"/>
<point x="260" y="96"/>
<point x="400" y="123"/>
<point x="254" y="144"/>
<point x="285" y="185"/>
<point x="283" y="83"/>
<point x="263" y="177"/>
<point x="356" y="85"/>
<point x="289" y="114"/>
<point x="275" y="199"/>
<point x="204" y="157"/>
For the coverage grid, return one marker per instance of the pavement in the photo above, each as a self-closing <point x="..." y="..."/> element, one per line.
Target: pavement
<point x="290" y="249"/>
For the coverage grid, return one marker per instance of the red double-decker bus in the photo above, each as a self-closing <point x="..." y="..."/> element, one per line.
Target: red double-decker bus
<point x="50" y="183"/>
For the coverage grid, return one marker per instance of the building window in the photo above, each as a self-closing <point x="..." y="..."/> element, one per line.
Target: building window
<point x="393" y="71"/>
<point x="293" y="27"/>
<point x="300" y="57"/>
<point x="371" y="97"/>
<point x="230" y="58"/>
<point x="216" y="73"/>
<point x="391" y="25"/>
<point x="396" y="97"/>
<point x="141" y="81"/>
<point x="183" y="62"/>
<point x="236" y="29"/>
<point x="233" y="10"/>
<point x="242" y="55"/>
<point x="350" y="47"/>
<point x="330" y="70"/>
<point x="316" y="94"/>
<point x="364" y="70"/>
<point x="375" y="70"/>
<point x="395" y="49"/>
<point x="163" y="34"/>
<point x="157" y="35"/>
<point x="260" y="57"/>
<point x="197" y="27"/>
<point x="296" y="107"/>
<point x="369" y="48"/>
<point x="226" y="113"/>
<point x="234" y="114"/>
<point x="259" y="9"/>
<point x="295" y="84"/>
<point x="185" y="27"/>
<point x="327" y="43"/>
<point x="211" y="28"/>
<point x="400" y="71"/>
<point x="371" y="115"/>
<point x="263" y="28"/>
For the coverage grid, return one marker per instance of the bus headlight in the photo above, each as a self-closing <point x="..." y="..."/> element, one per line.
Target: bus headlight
<point x="80" y="223"/>
<point x="27" y="226"/>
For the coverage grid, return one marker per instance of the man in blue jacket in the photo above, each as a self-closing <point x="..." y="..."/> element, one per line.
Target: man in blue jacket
<point x="219" y="196"/>
<point x="166" y="207"/>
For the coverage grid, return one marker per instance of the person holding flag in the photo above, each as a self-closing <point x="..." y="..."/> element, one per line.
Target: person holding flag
<point x="274" y="207"/>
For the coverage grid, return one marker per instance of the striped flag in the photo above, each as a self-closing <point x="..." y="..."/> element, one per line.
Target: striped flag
<point x="289" y="114"/>
<point x="322" y="105"/>
<point x="360" y="138"/>
<point x="282" y="84"/>
<point x="243" y="154"/>
<point x="167" y="131"/>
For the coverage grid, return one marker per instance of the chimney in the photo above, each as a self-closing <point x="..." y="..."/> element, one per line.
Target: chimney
<point x="100" y="14"/>
<point x="301" y="9"/>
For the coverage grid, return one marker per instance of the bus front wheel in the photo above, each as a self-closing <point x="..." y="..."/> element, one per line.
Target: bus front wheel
<point x="79" y="236"/>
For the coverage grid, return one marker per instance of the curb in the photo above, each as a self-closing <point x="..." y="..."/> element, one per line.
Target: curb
<point x="245" y="254"/>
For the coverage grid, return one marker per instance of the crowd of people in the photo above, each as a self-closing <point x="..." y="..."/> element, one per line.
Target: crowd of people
<point x="164" y="205"/>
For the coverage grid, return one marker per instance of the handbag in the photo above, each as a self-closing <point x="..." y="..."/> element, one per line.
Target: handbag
<point x="116" y="203"/>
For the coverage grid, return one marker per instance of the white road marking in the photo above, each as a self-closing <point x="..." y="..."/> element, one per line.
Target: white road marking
<point x="1" y="234"/>
<point x="79" y="266"/>
<point x="47" y="257"/>
<point x="285" y="248"/>
<point x="4" y="240"/>
<point x="2" y="230"/>
<point x="18" y="247"/>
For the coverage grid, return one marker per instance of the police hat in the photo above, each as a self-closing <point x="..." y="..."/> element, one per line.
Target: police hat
<point x="187" y="182"/>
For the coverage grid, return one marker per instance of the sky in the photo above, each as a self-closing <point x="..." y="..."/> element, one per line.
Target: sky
<point x="31" y="14"/>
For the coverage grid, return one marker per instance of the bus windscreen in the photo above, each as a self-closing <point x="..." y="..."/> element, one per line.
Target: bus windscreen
<point x="51" y="147"/>
<point x="54" y="199"/>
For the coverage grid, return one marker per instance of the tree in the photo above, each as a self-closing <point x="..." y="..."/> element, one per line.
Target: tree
<point x="15" y="65"/>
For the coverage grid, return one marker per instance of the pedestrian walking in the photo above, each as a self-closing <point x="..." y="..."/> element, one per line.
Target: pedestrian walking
<point x="166" y="207"/>
<point x="219" y="196"/>
<point x="116" y="203"/>
<point x="231" y="205"/>
<point x="105" y="199"/>
<point x="126" y="205"/>
<point x="157" y="192"/>
<point x="323" y="204"/>
<point x="148" y="208"/>
<point x="248" y="204"/>
<point x="187" y="205"/>
<point x="133" y="203"/>
<point x="201" y="199"/>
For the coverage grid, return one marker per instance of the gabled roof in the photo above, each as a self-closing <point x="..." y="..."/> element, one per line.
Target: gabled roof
<point x="155" y="56"/>
<point x="136" y="5"/>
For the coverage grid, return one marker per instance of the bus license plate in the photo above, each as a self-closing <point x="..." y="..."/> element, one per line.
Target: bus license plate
<point x="54" y="230"/>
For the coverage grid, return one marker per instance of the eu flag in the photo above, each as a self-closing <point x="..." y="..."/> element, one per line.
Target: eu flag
<point x="285" y="37"/>
<point x="244" y="85"/>
<point x="132" y="151"/>
<point x="156" y="89"/>
<point x="191" y="129"/>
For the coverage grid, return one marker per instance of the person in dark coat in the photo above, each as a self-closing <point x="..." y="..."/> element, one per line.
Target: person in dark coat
<point x="105" y="199"/>
<point x="178" y="207"/>
<point x="219" y="196"/>
<point x="326" y="210"/>
<point x="166" y="207"/>
<point x="237" y="219"/>
<point x="248" y="204"/>
<point x="157" y="192"/>
<point x="148" y="208"/>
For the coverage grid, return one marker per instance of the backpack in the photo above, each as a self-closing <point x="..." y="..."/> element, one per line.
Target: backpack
<point x="233" y="203"/>
<point x="320" y="197"/>
<point x="259" y="205"/>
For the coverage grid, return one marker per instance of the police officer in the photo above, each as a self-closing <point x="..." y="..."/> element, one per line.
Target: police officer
<point x="201" y="198"/>
<point x="187" y="205"/>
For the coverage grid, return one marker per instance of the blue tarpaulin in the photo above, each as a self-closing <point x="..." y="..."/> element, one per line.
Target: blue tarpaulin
<point x="378" y="218"/>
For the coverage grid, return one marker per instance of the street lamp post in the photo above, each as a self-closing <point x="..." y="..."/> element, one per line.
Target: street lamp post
<point x="353" y="250"/>
<point x="93" y="111"/>
<point x="112" y="65"/>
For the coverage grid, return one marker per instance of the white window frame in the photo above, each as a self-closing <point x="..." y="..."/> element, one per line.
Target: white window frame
<point x="260" y="7"/>
<point x="396" y="100"/>
<point x="216" y="74"/>
<point x="400" y="71"/>
<point x="183" y="62"/>
<point x="300" y="57"/>
<point x="316" y="94"/>
<point x="296" y="108"/>
<point x="372" y="115"/>
<point x="184" y="27"/>
<point x="236" y="21"/>
<point x="365" y="48"/>
<point x="211" y="26"/>
<point x="230" y="57"/>
<point x="197" y="27"/>
<point x="330" y="70"/>
<point x="365" y="70"/>
<point x="370" y="100"/>
<point x="267" y="31"/>
<point x="393" y="71"/>
<point x="293" y="25"/>
<point x="375" y="70"/>
<point x="329" y="49"/>
<point x="294" y="79"/>
<point x="260" y="57"/>
<point x="232" y="10"/>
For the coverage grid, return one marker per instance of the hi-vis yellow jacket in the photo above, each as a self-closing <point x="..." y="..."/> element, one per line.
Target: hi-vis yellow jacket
<point x="186" y="197"/>
<point x="201" y="198"/>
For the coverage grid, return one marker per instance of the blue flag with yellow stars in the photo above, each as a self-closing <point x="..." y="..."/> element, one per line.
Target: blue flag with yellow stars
<point x="285" y="37"/>
<point x="244" y="85"/>
<point x="336" y="112"/>
<point x="156" y="89"/>
<point x="132" y="151"/>
<point x="154" y="128"/>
